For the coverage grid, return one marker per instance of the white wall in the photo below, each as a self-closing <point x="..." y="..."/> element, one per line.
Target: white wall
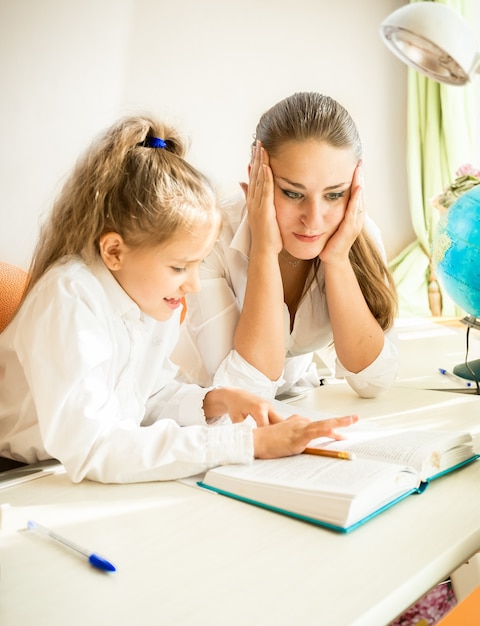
<point x="69" y="68"/>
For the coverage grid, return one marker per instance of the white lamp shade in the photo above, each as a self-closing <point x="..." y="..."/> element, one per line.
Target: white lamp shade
<point x="433" y="39"/>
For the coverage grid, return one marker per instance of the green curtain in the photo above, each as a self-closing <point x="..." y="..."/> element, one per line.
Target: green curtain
<point x="440" y="138"/>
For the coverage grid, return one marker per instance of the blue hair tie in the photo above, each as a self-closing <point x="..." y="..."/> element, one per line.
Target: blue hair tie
<point x="153" y="142"/>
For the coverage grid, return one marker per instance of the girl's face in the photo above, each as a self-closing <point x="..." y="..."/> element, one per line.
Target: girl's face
<point x="158" y="278"/>
<point x="312" y="186"/>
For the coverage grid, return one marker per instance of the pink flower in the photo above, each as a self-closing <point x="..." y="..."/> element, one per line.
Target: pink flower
<point x="466" y="177"/>
<point x="467" y="170"/>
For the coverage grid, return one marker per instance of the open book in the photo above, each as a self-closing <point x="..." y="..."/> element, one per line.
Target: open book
<point x="387" y="466"/>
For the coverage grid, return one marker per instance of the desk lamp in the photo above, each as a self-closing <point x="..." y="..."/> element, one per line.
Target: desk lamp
<point x="433" y="39"/>
<point x="438" y="42"/>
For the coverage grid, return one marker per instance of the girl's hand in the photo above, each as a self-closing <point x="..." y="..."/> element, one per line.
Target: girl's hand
<point x="262" y="217"/>
<point x="239" y="404"/>
<point x="293" y="435"/>
<point x="338" y="246"/>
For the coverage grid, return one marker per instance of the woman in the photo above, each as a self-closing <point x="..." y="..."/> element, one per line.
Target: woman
<point x="298" y="266"/>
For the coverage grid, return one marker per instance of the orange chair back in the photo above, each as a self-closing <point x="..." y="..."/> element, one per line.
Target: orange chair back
<point x="13" y="281"/>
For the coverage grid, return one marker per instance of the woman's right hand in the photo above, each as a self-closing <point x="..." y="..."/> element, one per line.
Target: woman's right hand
<point x="259" y="337"/>
<point x="262" y="217"/>
<point x="294" y="434"/>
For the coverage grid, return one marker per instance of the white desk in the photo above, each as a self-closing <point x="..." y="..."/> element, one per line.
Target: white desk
<point x="188" y="557"/>
<point x="426" y="346"/>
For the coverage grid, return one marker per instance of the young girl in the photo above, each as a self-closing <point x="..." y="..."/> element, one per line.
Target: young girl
<point x="299" y="267"/>
<point x="85" y="375"/>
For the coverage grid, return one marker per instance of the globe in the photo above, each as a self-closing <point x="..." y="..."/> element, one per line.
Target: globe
<point x="456" y="251"/>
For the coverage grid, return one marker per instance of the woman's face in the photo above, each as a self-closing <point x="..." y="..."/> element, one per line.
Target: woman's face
<point x="312" y="186"/>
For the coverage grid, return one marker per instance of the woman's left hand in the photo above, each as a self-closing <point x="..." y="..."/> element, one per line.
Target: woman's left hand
<point x="338" y="246"/>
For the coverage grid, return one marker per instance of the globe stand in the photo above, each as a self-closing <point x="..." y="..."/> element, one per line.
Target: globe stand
<point x="473" y="366"/>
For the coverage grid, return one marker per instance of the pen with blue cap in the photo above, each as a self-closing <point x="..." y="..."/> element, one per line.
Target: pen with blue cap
<point x="94" y="559"/>
<point x="454" y="377"/>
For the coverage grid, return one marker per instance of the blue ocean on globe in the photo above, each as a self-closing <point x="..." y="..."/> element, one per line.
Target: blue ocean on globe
<point x="456" y="251"/>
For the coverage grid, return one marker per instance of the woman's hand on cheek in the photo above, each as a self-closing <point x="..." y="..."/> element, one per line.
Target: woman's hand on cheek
<point x="262" y="217"/>
<point x="338" y="246"/>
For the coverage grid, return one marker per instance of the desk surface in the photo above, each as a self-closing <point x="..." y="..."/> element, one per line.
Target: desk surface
<point x="426" y="346"/>
<point x="187" y="557"/>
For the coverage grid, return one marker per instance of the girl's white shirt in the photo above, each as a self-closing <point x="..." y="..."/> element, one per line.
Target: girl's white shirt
<point x="205" y="351"/>
<point x="86" y="378"/>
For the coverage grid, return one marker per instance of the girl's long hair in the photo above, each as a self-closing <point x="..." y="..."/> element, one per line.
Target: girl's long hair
<point x="305" y="116"/>
<point x="122" y="185"/>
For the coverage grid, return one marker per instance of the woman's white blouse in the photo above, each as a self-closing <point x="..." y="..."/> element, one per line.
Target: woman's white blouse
<point x="86" y="378"/>
<point x="205" y="350"/>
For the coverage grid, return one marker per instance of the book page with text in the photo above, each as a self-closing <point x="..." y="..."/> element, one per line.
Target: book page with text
<point x="428" y="451"/>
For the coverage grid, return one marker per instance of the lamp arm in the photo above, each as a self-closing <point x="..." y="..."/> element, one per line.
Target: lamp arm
<point x="476" y="64"/>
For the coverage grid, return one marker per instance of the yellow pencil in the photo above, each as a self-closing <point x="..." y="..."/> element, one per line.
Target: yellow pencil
<point x="336" y="454"/>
